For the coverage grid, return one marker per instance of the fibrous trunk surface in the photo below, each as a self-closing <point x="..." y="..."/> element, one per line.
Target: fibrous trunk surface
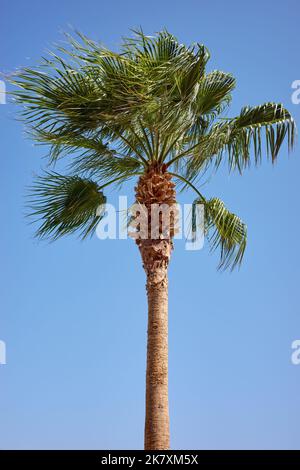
<point x="156" y="187"/>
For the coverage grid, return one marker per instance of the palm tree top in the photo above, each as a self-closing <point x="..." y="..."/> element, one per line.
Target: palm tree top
<point x="151" y="105"/>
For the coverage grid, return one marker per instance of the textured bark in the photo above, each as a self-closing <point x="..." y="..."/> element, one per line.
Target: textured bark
<point x="156" y="255"/>
<point x="156" y="187"/>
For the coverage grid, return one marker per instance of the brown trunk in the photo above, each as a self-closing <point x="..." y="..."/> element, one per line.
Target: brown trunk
<point x="156" y="256"/>
<point x="156" y="187"/>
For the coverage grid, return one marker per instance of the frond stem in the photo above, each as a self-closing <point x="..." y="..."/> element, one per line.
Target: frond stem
<point x="119" y="178"/>
<point x="182" y="154"/>
<point x="189" y="184"/>
<point x="132" y="148"/>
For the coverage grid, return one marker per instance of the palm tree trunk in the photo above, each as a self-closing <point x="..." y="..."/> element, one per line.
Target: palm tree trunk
<point x="157" y="433"/>
<point x="156" y="255"/>
<point x="155" y="187"/>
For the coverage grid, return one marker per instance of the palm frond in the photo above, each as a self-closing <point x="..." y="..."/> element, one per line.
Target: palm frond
<point x="246" y="133"/>
<point x="152" y="82"/>
<point x="64" y="142"/>
<point x="65" y="204"/>
<point x="238" y="137"/>
<point x="105" y="167"/>
<point x="214" y="93"/>
<point x="224" y="230"/>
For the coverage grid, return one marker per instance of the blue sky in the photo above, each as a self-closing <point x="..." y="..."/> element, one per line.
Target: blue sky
<point x="73" y="314"/>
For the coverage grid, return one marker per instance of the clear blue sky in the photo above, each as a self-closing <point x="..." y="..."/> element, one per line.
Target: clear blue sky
<point x="73" y="314"/>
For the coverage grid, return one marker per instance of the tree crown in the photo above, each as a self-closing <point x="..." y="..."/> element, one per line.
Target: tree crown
<point x="152" y="104"/>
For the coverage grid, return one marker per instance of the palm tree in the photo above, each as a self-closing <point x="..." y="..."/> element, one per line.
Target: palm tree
<point x="152" y="112"/>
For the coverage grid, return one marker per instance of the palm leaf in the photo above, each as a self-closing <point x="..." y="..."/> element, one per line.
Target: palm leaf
<point x="236" y="138"/>
<point x="224" y="230"/>
<point x="65" y="204"/>
<point x="105" y="167"/>
<point x="245" y="132"/>
<point x="214" y="92"/>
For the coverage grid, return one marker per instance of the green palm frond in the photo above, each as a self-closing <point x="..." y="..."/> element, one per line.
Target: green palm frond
<point x="53" y="97"/>
<point x="65" y="204"/>
<point x="64" y="142"/>
<point x="214" y="93"/>
<point x="90" y="155"/>
<point x="108" y="92"/>
<point x="187" y="78"/>
<point x="154" y="51"/>
<point x="105" y="167"/>
<point x="224" y="230"/>
<point x="246" y="133"/>
<point x="235" y="139"/>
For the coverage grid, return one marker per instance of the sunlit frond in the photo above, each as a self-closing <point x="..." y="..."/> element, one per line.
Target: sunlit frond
<point x="224" y="230"/>
<point x="105" y="167"/>
<point x="234" y="139"/>
<point x="245" y="132"/>
<point x="214" y="93"/>
<point x="65" y="204"/>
